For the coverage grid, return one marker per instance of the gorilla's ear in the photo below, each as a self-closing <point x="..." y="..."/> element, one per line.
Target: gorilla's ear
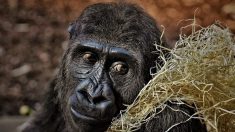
<point x="72" y="30"/>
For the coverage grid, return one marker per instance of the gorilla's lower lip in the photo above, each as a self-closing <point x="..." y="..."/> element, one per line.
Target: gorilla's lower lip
<point x="83" y="117"/>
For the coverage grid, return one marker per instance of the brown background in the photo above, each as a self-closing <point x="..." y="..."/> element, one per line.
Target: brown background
<point x="33" y="36"/>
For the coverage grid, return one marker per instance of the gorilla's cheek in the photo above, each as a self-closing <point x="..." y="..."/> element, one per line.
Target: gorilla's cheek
<point x="129" y="91"/>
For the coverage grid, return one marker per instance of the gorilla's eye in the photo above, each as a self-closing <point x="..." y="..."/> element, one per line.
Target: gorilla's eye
<point x="90" y="57"/>
<point x="119" y="67"/>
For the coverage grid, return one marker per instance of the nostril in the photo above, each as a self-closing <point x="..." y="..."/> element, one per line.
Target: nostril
<point x="84" y="93"/>
<point x="86" y="96"/>
<point x="99" y="99"/>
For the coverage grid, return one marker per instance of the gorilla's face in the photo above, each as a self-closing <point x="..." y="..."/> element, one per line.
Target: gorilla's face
<point x="103" y="77"/>
<point x="107" y="63"/>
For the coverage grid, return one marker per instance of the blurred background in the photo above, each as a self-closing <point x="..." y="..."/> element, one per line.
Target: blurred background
<point x="33" y="36"/>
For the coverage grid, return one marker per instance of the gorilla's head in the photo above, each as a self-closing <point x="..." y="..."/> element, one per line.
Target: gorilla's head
<point x="107" y="63"/>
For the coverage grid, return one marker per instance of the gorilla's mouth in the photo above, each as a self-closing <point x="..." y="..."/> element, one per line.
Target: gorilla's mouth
<point x="89" y="119"/>
<point x="83" y="117"/>
<point x="85" y="113"/>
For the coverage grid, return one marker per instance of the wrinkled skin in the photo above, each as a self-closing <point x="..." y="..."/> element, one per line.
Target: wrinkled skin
<point x="111" y="51"/>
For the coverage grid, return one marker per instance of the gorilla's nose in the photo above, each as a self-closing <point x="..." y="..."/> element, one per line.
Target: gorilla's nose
<point x="95" y="94"/>
<point x="99" y="98"/>
<point x="93" y="97"/>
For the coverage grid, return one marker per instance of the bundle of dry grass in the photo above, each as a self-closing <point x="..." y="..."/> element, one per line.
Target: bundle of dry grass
<point x="201" y="72"/>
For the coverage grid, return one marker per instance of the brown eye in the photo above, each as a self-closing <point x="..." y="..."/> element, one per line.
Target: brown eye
<point x="120" y="68"/>
<point x="89" y="57"/>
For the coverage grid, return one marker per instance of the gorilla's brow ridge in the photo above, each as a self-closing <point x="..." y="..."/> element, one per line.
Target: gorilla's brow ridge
<point x="106" y="49"/>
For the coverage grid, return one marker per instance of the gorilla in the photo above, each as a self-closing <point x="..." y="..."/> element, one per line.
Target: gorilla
<point x="110" y="53"/>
